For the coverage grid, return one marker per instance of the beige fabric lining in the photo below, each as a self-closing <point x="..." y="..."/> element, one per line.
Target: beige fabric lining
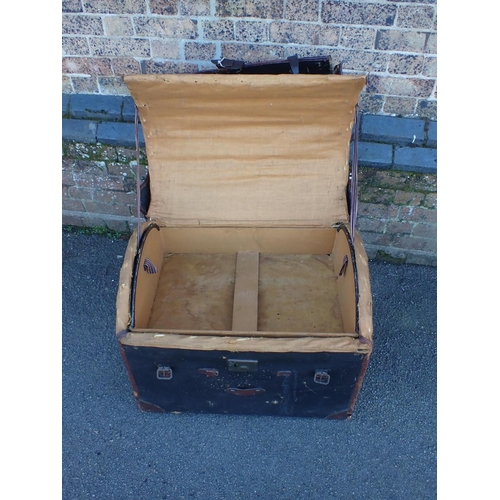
<point x="244" y="344"/>
<point x="346" y="284"/>
<point x="364" y="290"/>
<point x="239" y="150"/>
<point x="151" y="337"/>
<point x="246" y="292"/>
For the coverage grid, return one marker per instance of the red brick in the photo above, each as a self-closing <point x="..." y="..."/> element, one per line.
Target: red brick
<point x="418" y="214"/>
<point x="382" y="178"/>
<point x="431" y="200"/>
<point x="399" y="227"/>
<point x="127" y="155"/>
<point x="71" y="220"/>
<point x="118" y="197"/>
<point x="80" y="193"/>
<point x="423" y="182"/>
<point x="408" y="198"/>
<point x="378" y="211"/>
<point x="107" y="208"/>
<point x="377" y="239"/>
<point x="120" y="169"/>
<point x="91" y="181"/>
<point x="67" y="166"/>
<point x="72" y="205"/>
<point x="67" y="178"/>
<point x="88" y="167"/>
<point x="376" y="195"/>
<point x="371" y="225"/>
<point x="425" y="231"/>
<point x="420" y="244"/>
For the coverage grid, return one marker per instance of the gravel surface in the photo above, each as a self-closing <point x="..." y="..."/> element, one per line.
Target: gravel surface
<point x="112" y="450"/>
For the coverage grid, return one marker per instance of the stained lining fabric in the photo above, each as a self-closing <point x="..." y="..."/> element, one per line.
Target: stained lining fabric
<point x="246" y="150"/>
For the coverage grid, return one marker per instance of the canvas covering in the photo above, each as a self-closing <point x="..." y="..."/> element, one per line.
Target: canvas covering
<point x="238" y="150"/>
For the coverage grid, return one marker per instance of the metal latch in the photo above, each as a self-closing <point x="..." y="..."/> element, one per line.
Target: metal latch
<point x="164" y="373"/>
<point x="242" y="365"/>
<point x="322" y="377"/>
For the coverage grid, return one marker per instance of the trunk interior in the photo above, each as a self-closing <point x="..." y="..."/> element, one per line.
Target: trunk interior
<point x="266" y="280"/>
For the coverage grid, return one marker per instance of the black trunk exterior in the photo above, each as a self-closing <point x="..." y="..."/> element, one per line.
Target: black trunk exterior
<point x="321" y="385"/>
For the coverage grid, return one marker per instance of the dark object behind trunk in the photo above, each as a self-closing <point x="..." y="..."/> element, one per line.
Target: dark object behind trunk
<point x="306" y="65"/>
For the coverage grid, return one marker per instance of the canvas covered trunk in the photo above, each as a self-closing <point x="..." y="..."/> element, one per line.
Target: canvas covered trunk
<point x="244" y="291"/>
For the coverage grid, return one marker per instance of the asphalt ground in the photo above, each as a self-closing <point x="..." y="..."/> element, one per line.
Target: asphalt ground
<point x="112" y="450"/>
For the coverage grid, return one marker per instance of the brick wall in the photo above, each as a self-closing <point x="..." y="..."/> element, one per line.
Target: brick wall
<point x="393" y="42"/>
<point x="397" y="177"/>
